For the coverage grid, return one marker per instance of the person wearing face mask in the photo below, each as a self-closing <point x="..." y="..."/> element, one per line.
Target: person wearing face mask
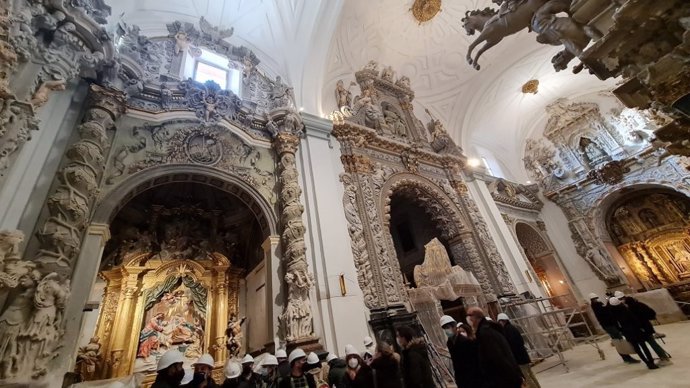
<point x="415" y="363"/>
<point x="169" y="371"/>
<point x="232" y="371"/>
<point x="202" y="373"/>
<point x="297" y="377"/>
<point x="269" y="372"/>
<point x="497" y="364"/>
<point x="249" y="379"/>
<point x="463" y="352"/>
<point x="386" y="366"/>
<point x="358" y="374"/>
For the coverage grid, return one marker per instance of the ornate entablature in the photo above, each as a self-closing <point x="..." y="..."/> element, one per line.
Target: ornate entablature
<point x="515" y="195"/>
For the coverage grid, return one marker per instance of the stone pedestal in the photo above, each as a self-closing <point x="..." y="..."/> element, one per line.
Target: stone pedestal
<point x="384" y="322"/>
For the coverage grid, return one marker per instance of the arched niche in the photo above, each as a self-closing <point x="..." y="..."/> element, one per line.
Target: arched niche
<point x="542" y="258"/>
<point x="650" y="228"/>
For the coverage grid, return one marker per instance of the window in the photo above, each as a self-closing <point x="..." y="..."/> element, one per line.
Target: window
<point x="209" y="66"/>
<point x="207" y="72"/>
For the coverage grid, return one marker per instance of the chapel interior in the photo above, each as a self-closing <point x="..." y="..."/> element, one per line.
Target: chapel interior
<point x="235" y="177"/>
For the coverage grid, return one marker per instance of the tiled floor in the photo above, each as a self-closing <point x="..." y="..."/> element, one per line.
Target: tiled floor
<point x="588" y="370"/>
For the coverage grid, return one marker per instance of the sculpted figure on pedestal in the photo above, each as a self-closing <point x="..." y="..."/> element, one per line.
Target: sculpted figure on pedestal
<point x="601" y="264"/>
<point x="343" y="95"/>
<point x="89" y="358"/>
<point x="234" y="335"/>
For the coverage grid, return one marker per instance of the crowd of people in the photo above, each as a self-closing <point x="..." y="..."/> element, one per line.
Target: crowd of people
<point x="484" y="353"/>
<point x="628" y="322"/>
<point x="379" y="366"/>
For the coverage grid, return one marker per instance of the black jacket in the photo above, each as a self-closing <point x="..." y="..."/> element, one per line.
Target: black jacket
<point x="287" y="381"/>
<point x="209" y="384"/>
<point x="363" y="379"/>
<point x="336" y="373"/>
<point x="465" y="356"/>
<point x="496" y="362"/>
<point x="387" y="371"/>
<point x="603" y="314"/>
<point x="517" y="343"/>
<point x="284" y="369"/>
<point x="643" y="313"/>
<point x="630" y="325"/>
<point x="416" y="366"/>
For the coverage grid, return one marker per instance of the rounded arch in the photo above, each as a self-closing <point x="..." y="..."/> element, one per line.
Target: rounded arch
<point x="437" y="203"/>
<point x="149" y="178"/>
<point x="531" y="240"/>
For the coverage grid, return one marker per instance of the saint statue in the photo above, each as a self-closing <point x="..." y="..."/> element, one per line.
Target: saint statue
<point x="591" y="151"/>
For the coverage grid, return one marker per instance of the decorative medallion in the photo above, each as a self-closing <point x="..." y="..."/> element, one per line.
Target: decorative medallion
<point x="425" y="10"/>
<point x="531" y="86"/>
<point x="203" y="148"/>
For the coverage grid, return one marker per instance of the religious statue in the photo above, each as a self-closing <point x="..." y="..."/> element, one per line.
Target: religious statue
<point x="234" y="334"/>
<point x="681" y="258"/>
<point x="403" y="82"/>
<point x="41" y="95"/>
<point x="281" y="94"/>
<point x="88" y="359"/>
<point x="394" y="122"/>
<point x="247" y="68"/>
<point x="600" y="264"/>
<point x="648" y="218"/>
<point x="372" y="66"/>
<point x="591" y="151"/>
<point x="149" y="336"/>
<point x="181" y="42"/>
<point x="373" y="117"/>
<point x="343" y="96"/>
<point x="387" y="73"/>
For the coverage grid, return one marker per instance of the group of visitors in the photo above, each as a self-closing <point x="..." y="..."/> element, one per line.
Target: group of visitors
<point x="487" y="354"/>
<point x="377" y="367"/>
<point x="625" y="318"/>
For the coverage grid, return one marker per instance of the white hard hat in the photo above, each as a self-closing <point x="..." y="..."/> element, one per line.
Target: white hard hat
<point x="368" y="341"/>
<point x="205" y="359"/>
<point x="614" y="301"/>
<point x="248" y="359"/>
<point x="350" y="350"/>
<point x="188" y="376"/>
<point x="459" y="324"/>
<point x="446" y="319"/>
<point x="503" y="317"/>
<point x="619" y="294"/>
<point x="295" y="354"/>
<point x="489" y="319"/>
<point x="232" y="369"/>
<point x="280" y="353"/>
<point x="312" y="359"/>
<point x="270" y="360"/>
<point x="172" y="356"/>
<point x="593" y="296"/>
<point x="331" y="357"/>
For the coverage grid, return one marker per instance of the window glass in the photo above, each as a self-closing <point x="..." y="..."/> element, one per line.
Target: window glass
<point x="205" y="72"/>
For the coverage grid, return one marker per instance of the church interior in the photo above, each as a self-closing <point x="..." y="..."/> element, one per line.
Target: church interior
<point x="233" y="177"/>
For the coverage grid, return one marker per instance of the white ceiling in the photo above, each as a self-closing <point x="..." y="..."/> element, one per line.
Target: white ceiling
<point x="313" y="43"/>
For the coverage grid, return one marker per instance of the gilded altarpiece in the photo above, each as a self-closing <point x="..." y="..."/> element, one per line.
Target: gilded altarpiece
<point x="151" y="305"/>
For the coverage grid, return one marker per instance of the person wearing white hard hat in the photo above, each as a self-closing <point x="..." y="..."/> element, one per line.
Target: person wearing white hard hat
<point x="248" y="377"/>
<point x="336" y="370"/>
<point x="283" y="364"/>
<point x="463" y="352"/>
<point x="297" y="377"/>
<point x="269" y="371"/>
<point x="645" y="315"/>
<point x="314" y="368"/>
<point x="604" y="315"/>
<point x="632" y="331"/>
<point x="517" y="346"/>
<point x="203" y="368"/>
<point x="188" y="377"/>
<point x="169" y="371"/>
<point x="232" y="371"/>
<point x="358" y="373"/>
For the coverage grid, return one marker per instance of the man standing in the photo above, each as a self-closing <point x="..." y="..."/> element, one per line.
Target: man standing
<point x="169" y="372"/>
<point x="517" y="346"/>
<point x="603" y="314"/>
<point x="248" y="378"/>
<point x="297" y="378"/>
<point x="203" y="369"/>
<point x="283" y="364"/>
<point x="336" y="371"/>
<point x="496" y="361"/>
<point x="463" y="352"/>
<point x="415" y="364"/>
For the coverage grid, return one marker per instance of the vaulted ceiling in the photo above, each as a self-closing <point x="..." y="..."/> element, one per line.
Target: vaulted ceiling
<point x="313" y="43"/>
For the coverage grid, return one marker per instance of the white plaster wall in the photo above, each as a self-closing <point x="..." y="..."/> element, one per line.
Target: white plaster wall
<point x="584" y="279"/>
<point x="503" y="238"/>
<point x="339" y="319"/>
<point x="256" y="325"/>
<point x="29" y="179"/>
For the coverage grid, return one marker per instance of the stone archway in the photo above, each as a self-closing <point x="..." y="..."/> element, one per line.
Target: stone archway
<point x="542" y="257"/>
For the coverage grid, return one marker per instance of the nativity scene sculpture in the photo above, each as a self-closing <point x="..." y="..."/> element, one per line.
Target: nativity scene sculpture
<point x="539" y="16"/>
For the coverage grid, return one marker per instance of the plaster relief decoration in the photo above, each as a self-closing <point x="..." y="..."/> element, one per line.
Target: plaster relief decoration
<point x="425" y="10"/>
<point x="42" y="48"/>
<point x="181" y="141"/>
<point x="542" y="17"/>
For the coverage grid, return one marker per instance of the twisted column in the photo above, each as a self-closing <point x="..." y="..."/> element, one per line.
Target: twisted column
<point x="296" y="321"/>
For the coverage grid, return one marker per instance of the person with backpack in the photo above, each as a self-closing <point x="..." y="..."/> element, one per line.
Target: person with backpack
<point x="645" y="315"/>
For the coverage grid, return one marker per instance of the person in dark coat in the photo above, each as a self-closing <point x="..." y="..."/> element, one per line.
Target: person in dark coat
<point x="517" y="346"/>
<point x="386" y="366"/>
<point x="297" y="378"/>
<point x="336" y="372"/>
<point x="169" y="371"/>
<point x="415" y="363"/>
<point x="645" y="315"/>
<point x="358" y="373"/>
<point x="632" y="330"/>
<point x="463" y="352"/>
<point x="605" y="317"/>
<point x="283" y="364"/>
<point x="496" y="361"/>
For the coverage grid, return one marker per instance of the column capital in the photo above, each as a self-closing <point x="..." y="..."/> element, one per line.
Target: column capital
<point x="286" y="142"/>
<point x="102" y="230"/>
<point x="110" y="100"/>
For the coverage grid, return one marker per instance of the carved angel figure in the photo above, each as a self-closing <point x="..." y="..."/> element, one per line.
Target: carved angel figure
<point x="281" y="94"/>
<point x="214" y="33"/>
<point x="372" y="66"/>
<point x="9" y="243"/>
<point x="343" y="96"/>
<point x="403" y="82"/>
<point x="41" y="95"/>
<point x="387" y="73"/>
<point x="181" y="42"/>
<point x="88" y="359"/>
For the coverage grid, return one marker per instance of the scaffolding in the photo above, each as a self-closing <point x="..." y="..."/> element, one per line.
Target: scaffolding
<point x="549" y="330"/>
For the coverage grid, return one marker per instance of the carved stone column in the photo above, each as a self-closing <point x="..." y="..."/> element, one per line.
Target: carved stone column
<point x="221" y="311"/>
<point x="69" y="207"/>
<point x="296" y="321"/>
